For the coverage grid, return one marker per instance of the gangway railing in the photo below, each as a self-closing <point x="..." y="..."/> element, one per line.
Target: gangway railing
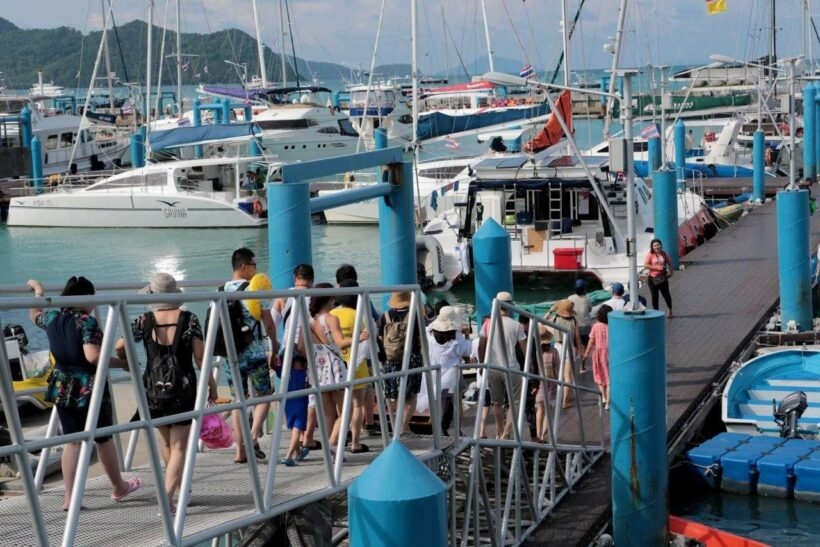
<point x="529" y="497"/>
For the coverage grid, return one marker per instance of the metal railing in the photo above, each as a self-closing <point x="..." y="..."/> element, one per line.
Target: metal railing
<point x="556" y="465"/>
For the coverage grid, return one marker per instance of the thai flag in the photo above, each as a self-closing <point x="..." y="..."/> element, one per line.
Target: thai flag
<point x="451" y="143"/>
<point x="183" y="122"/>
<point x="527" y="72"/>
<point x="205" y="69"/>
<point x="650" y="132"/>
<point x="127" y="108"/>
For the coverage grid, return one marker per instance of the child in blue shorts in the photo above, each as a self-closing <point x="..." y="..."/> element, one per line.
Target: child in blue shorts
<point x="296" y="413"/>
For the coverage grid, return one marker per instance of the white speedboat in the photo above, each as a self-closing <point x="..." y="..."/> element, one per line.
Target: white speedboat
<point x="205" y="193"/>
<point x="383" y="106"/>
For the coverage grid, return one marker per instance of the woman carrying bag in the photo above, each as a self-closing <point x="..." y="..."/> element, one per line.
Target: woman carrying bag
<point x="660" y="270"/>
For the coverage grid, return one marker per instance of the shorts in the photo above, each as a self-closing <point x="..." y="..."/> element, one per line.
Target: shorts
<point x="498" y="387"/>
<point x="72" y="420"/>
<point x="296" y="413"/>
<point x="391" y="385"/>
<point x="257" y="373"/>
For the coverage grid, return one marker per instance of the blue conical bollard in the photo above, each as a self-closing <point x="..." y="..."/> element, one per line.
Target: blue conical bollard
<point x="493" y="265"/>
<point x="397" y="501"/>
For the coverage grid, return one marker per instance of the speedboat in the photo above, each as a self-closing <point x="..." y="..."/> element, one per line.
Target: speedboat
<point x="203" y="193"/>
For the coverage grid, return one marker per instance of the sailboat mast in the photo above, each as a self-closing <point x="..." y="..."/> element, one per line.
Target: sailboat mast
<point x="179" y="58"/>
<point x="282" y="45"/>
<point x="148" y="72"/>
<point x="772" y="33"/>
<point x="565" y="38"/>
<point x="616" y="58"/>
<point x="107" y="57"/>
<point x="486" y="35"/>
<point x="414" y="69"/>
<point x="260" y="48"/>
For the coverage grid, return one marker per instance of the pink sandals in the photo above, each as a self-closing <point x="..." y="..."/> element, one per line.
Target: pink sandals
<point x="133" y="485"/>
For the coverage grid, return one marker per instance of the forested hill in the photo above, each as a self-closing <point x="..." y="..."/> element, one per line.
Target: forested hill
<point x="63" y="53"/>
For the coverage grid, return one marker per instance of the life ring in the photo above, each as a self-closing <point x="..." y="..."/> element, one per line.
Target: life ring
<point x="257" y="208"/>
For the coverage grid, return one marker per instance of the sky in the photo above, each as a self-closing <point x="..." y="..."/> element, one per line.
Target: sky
<point x="668" y="32"/>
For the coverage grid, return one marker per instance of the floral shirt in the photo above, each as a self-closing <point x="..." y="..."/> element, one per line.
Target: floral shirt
<point x="70" y="384"/>
<point x="256" y="350"/>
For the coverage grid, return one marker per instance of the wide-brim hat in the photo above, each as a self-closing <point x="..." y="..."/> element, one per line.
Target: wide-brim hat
<point x="399" y="299"/>
<point x="162" y="283"/>
<point x="544" y="333"/>
<point x="447" y="320"/>
<point x="565" y="308"/>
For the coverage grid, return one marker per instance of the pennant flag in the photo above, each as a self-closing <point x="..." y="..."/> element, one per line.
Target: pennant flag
<point x="527" y="72"/>
<point x="650" y="132"/>
<point x="552" y="132"/>
<point x="197" y="75"/>
<point x="185" y="67"/>
<point x="451" y="143"/>
<point x="715" y="6"/>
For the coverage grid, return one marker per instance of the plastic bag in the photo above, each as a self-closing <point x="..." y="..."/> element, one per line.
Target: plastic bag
<point x="216" y="432"/>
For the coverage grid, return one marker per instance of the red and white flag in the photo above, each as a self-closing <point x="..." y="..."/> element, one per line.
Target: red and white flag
<point x="650" y="132"/>
<point x="451" y="143"/>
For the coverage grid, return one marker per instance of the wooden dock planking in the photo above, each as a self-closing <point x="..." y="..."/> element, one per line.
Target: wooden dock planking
<point x="726" y="292"/>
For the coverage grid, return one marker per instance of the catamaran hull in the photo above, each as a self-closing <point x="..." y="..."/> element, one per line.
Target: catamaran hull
<point x="126" y="211"/>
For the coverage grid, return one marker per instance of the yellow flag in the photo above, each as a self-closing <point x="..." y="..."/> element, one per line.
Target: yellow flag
<point x="715" y="6"/>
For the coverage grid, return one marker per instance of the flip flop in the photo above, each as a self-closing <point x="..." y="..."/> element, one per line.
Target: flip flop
<point x="362" y="448"/>
<point x="260" y="454"/>
<point x="245" y="460"/>
<point x="133" y="485"/>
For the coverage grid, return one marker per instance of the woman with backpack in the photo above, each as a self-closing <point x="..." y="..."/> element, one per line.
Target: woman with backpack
<point x="74" y="339"/>
<point x="173" y="341"/>
<point x="393" y="332"/>
<point x="660" y="270"/>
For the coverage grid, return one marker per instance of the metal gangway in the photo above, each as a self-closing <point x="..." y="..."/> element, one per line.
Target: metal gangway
<point x="499" y="490"/>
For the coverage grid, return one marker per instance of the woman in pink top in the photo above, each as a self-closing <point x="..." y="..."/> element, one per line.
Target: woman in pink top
<point x="599" y="348"/>
<point x="660" y="270"/>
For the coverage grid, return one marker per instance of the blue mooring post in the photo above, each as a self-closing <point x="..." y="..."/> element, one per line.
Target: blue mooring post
<point x="680" y="153"/>
<point x="25" y="126"/>
<point x="654" y="149"/>
<point x="380" y="138"/>
<point x="397" y="234"/>
<point x="493" y="265"/>
<point x="397" y="501"/>
<point x="816" y="123"/>
<point x="759" y="166"/>
<point x="248" y="113"/>
<point x="289" y="228"/>
<point x="809" y="132"/>
<point x="793" y="258"/>
<point x="36" y="164"/>
<point x="137" y="150"/>
<point x="197" y="122"/>
<point x="665" y="208"/>
<point x="254" y="150"/>
<point x="638" y="427"/>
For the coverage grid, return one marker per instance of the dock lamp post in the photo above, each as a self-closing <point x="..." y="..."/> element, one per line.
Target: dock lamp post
<point x="500" y="78"/>
<point x="809" y="140"/>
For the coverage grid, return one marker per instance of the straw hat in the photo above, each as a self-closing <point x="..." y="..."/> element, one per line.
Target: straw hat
<point x="565" y="308"/>
<point x="544" y="334"/>
<point x="259" y="282"/>
<point x="447" y="320"/>
<point x="162" y="283"/>
<point x="399" y="299"/>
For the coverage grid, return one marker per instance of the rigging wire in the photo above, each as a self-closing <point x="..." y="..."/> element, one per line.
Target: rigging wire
<point x="119" y="44"/>
<point x="449" y="34"/>
<point x="571" y="32"/>
<point x="292" y="47"/>
<point x="515" y="32"/>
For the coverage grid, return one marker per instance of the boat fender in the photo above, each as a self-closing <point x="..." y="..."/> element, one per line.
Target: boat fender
<point x="436" y="254"/>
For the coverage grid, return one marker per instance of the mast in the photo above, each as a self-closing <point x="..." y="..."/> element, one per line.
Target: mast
<point x="259" y="46"/>
<point x="148" y="73"/>
<point x="616" y="54"/>
<point x="444" y="33"/>
<point x="414" y="69"/>
<point x="772" y="33"/>
<point x="282" y="45"/>
<point x="565" y="38"/>
<point x="486" y="35"/>
<point x="107" y="57"/>
<point x="179" y="58"/>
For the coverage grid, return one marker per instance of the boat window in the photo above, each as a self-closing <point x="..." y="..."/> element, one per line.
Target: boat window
<point x="136" y="180"/>
<point x="406" y="119"/>
<point x="603" y="150"/>
<point x="640" y="146"/>
<point x="66" y="140"/>
<point x="446" y="172"/>
<point x="51" y="142"/>
<point x="329" y="130"/>
<point x="12" y="106"/>
<point x="312" y="123"/>
<point x="347" y="128"/>
<point x="284" y="124"/>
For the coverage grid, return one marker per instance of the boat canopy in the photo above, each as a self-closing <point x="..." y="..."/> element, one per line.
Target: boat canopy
<point x="188" y="136"/>
<point x="529" y="184"/>
<point x="235" y="92"/>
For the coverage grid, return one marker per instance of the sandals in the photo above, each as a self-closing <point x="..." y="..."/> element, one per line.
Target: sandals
<point x="303" y="454"/>
<point x="133" y="485"/>
<point x="362" y="448"/>
<point x="259" y="453"/>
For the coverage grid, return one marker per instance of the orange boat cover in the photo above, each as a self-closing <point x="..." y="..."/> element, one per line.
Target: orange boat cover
<point x="551" y="133"/>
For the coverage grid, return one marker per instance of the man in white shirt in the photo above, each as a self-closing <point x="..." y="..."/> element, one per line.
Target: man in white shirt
<point x="502" y="353"/>
<point x="617" y="301"/>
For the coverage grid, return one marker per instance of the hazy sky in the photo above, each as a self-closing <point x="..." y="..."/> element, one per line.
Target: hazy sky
<point x="668" y="32"/>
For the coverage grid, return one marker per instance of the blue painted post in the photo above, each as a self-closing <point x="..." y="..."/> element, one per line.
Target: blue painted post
<point x="25" y="126"/>
<point x="137" y="150"/>
<point x="226" y="111"/>
<point x="289" y="229"/>
<point x="665" y="208"/>
<point x="248" y="113"/>
<point x="654" y="149"/>
<point x="759" y="166"/>
<point x="380" y="138"/>
<point x="680" y="153"/>
<point x="638" y="427"/>
<point x="397" y="500"/>
<point x="809" y="132"/>
<point x="397" y="234"/>
<point x="493" y="265"/>
<point x="36" y="164"/>
<point x="816" y="122"/>
<point x="793" y="258"/>
<point x="254" y="150"/>
<point x="197" y="122"/>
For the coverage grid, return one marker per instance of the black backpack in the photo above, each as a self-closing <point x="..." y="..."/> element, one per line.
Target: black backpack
<point x="242" y="331"/>
<point x="167" y="385"/>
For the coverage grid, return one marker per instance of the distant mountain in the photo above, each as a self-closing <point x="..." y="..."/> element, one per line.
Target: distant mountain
<point x="67" y="57"/>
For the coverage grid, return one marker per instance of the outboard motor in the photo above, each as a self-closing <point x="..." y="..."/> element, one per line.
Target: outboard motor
<point x="787" y="415"/>
<point x="16" y="332"/>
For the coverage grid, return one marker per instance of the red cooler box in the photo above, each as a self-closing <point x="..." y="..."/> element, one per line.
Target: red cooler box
<point x="567" y="259"/>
